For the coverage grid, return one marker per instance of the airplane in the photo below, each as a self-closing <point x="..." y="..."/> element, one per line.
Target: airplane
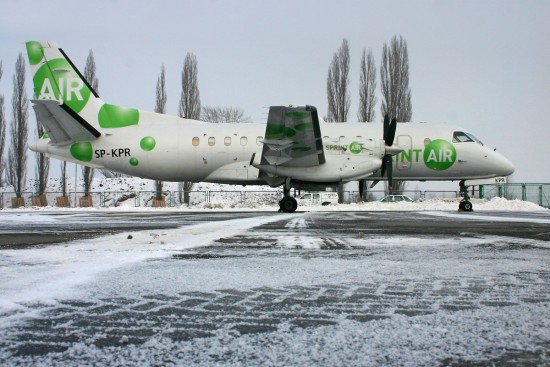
<point x="294" y="148"/>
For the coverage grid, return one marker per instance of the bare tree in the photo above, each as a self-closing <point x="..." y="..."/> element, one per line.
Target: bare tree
<point x="89" y="75"/>
<point x="337" y="85"/>
<point x="396" y="94"/>
<point x="16" y="173"/>
<point x="367" y="98"/>
<point x="394" y="80"/>
<point x="367" y="88"/>
<point x="42" y="166"/>
<point x="338" y="93"/>
<point x="224" y="115"/>
<point x="190" y="100"/>
<point x="189" y="107"/>
<point x="63" y="167"/>
<point x="2" y="132"/>
<point x="160" y="107"/>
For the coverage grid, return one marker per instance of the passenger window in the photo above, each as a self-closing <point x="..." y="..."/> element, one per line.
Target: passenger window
<point x="227" y="141"/>
<point x="244" y="140"/>
<point x="315" y="196"/>
<point x="196" y="141"/>
<point x="211" y="141"/>
<point x="259" y="140"/>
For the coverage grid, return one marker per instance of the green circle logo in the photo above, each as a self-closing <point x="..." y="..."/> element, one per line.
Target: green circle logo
<point x="58" y="80"/>
<point x="147" y="143"/>
<point x="134" y="162"/>
<point x="355" y="147"/>
<point x="439" y="155"/>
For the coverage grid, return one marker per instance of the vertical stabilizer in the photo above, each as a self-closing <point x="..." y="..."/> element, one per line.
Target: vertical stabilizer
<point x="56" y="78"/>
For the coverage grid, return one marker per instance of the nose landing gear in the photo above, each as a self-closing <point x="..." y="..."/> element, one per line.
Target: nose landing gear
<point x="465" y="204"/>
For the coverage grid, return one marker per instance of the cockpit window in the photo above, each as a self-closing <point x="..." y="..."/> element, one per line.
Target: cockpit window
<point x="462" y="137"/>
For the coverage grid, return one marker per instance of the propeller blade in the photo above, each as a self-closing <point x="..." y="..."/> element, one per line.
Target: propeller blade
<point x="389" y="168"/>
<point x="383" y="167"/>
<point x="389" y="136"/>
<point x="386" y="126"/>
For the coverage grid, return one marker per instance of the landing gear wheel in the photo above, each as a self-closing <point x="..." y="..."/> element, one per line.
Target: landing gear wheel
<point x="288" y="204"/>
<point x="467" y="206"/>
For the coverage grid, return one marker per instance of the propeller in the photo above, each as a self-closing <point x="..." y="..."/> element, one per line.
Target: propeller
<point x="389" y="136"/>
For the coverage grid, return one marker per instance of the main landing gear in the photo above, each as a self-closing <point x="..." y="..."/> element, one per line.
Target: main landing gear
<point x="465" y="204"/>
<point x="287" y="204"/>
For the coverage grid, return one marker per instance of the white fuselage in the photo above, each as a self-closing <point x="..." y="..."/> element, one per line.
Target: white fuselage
<point x="187" y="150"/>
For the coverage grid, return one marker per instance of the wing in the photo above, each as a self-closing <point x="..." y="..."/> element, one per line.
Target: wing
<point x="62" y="125"/>
<point x="293" y="137"/>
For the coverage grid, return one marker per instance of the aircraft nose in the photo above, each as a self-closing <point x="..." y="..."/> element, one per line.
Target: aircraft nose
<point x="504" y="166"/>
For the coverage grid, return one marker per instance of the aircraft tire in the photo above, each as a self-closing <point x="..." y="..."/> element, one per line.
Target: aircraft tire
<point x="467" y="206"/>
<point x="288" y="204"/>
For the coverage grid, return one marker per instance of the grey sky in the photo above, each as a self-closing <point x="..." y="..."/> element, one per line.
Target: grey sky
<point x="479" y="64"/>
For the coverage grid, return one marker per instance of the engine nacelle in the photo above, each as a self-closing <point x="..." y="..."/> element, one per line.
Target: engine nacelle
<point x="345" y="161"/>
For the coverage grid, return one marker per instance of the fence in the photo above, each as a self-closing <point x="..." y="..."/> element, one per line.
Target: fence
<point x="534" y="192"/>
<point x="132" y="199"/>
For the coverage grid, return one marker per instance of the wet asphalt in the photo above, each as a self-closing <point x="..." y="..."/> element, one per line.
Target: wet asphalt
<point x="249" y="320"/>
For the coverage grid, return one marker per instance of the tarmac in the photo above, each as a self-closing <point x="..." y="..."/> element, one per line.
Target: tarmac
<point x="328" y="288"/>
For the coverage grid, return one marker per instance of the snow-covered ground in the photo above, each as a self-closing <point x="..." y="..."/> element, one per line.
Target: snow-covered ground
<point x="278" y="289"/>
<point x="206" y="196"/>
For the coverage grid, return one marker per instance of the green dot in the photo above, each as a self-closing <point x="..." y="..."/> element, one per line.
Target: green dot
<point x="82" y="151"/>
<point x="147" y="143"/>
<point x="111" y="116"/>
<point x="134" y="162"/>
<point x="35" y="52"/>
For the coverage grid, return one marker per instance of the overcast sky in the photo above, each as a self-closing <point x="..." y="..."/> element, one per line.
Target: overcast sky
<point x="482" y="65"/>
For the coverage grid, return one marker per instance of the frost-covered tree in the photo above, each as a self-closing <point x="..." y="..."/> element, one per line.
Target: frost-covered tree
<point x="224" y="115"/>
<point x="160" y="107"/>
<point x="337" y="85"/>
<point x="16" y="173"/>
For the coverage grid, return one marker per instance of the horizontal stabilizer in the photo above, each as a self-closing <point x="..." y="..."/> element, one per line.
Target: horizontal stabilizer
<point x="278" y="144"/>
<point x="277" y="160"/>
<point x="62" y="125"/>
